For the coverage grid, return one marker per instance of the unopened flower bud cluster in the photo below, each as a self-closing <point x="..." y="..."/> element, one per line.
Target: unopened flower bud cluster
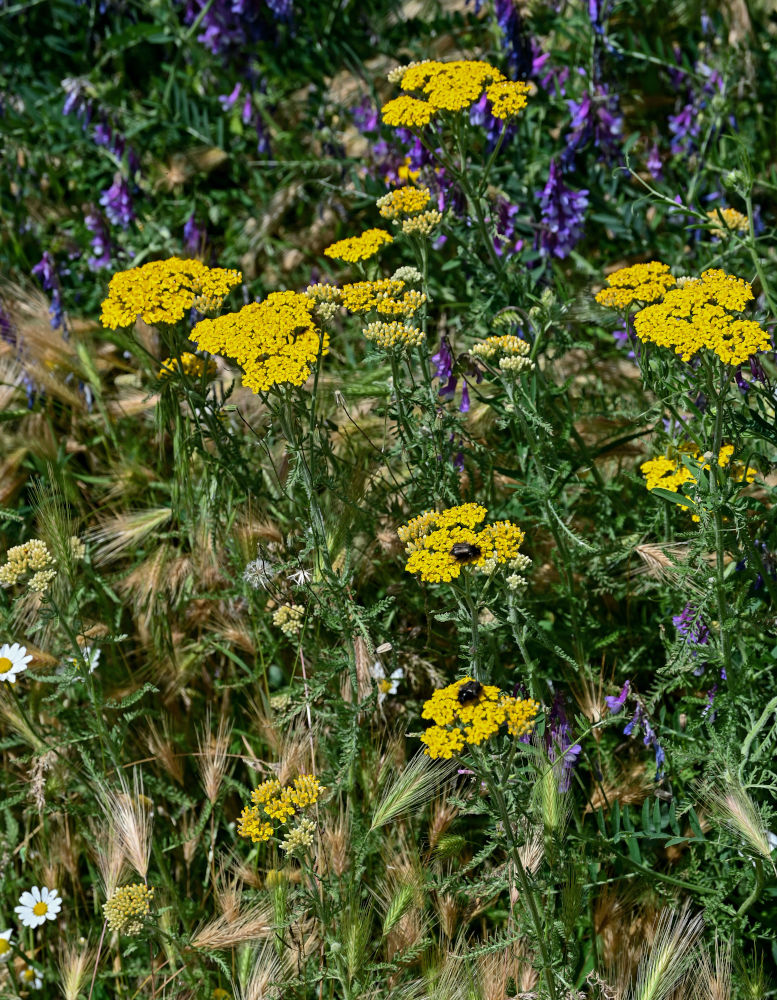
<point x="299" y="838"/>
<point x="422" y="224"/>
<point x="35" y="558"/>
<point x="128" y="907"/>
<point x="289" y="618"/>
<point x="388" y="335"/>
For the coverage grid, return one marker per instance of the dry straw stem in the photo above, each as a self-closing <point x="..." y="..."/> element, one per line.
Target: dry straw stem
<point x="75" y="961"/>
<point x="417" y="783"/>
<point x="670" y="957"/>
<point x="130" y="818"/>
<point x="213" y="756"/>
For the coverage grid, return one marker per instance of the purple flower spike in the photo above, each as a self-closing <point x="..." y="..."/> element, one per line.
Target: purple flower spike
<point x="117" y="202"/>
<point x="691" y="627"/>
<point x="46" y="271"/>
<point x="100" y="241"/>
<point x="615" y="702"/>
<point x="654" y="164"/>
<point x="194" y="236"/>
<point x="563" y="211"/>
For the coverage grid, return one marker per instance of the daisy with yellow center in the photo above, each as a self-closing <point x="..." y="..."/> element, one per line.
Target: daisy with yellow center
<point x="13" y="661"/>
<point x="37" y="906"/>
<point x="5" y="945"/>
<point x="30" y="977"/>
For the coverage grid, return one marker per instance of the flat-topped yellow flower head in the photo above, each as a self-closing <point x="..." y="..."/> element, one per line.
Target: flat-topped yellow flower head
<point x="164" y="291"/>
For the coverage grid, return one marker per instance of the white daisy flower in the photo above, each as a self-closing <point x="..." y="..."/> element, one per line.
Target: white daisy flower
<point x="90" y="655"/>
<point x="387" y="684"/>
<point x="38" y="906"/>
<point x="5" y="945"/>
<point x="31" y="977"/>
<point x="13" y="660"/>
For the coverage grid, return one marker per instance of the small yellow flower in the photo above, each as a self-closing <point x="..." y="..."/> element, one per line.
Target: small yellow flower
<point x="638" y="283"/>
<point x="357" y="248"/>
<point x="407" y="112"/>
<point x="733" y="220"/>
<point x="699" y="317"/>
<point x="128" y="907"/>
<point x="276" y="341"/>
<point x="190" y="364"/>
<point x="407" y="200"/>
<point x="389" y="335"/>
<point x="469" y="721"/>
<point x="163" y="291"/>
<point x="507" y="98"/>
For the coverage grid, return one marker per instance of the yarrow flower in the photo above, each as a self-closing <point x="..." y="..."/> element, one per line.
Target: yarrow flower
<point x="698" y="317"/>
<point x="300" y="838"/>
<point x="190" y="364"/>
<point x="31" y="557"/>
<point x="289" y="618"/>
<point x="13" y="661"/>
<point x="511" y="351"/>
<point x="389" y="335"/>
<point x="450" y="87"/>
<point x="467" y="713"/>
<point x="38" y="906"/>
<point x="673" y="472"/>
<point x="272" y="802"/>
<point x="356" y="248"/>
<point x="441" y="544"/>
<point x="128" y="907"/>
<point x="406" y="200"/>
<point x="423" y="224"/>
<point x="733" y="221"/>
<point x="276" y="341"/>
<point x="164" y="291"/>
<point x="638" y="283"/>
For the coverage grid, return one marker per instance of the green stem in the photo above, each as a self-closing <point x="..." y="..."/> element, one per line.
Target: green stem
<point x="757" y="888"/>
<point x="716" y="477"/>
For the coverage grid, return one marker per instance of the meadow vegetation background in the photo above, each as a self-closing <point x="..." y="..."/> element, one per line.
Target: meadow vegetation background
<point x="388" y="453"/>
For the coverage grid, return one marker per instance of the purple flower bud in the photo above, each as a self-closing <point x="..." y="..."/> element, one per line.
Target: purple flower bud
<point x="691" y="627"/>
<point x="228" y="101"/>
<point x="615" y="703"/>
<point x="653" y="163"/>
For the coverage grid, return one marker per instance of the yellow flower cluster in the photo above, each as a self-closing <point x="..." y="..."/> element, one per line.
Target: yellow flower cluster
<point x="474" y="719"/>
<point x="35" y="558"/>
<point x="734" y="221"/>
<point x="638" y="283"/>
<point x="128" y="907"/>
<point x="289" y="619"/>
<point x="672" y="473"/>
<point x="164" y="291"/>
<point x="361" y="296"/>
<point x="383" y="295"/>
<point x="277" y="803"/>
<point x="507" y="98"/>
<point x="406" y="200"/>
<point x="357" y="248"/>
<point x="511" y="350"/>
<point x="190" y="364"/>
<point x="440" y="544"/>
<point x="276" y="341"/>
<point x="388" y="335"/>
<point x="698" y="317"/>
<point x="300" y="838"/>
<point x="451" y="86"/>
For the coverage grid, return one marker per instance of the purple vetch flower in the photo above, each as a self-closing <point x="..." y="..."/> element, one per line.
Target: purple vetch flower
<point x="46" y="271"/>
<point x="757" y="370"/>
<point x="102" y="134"/>
<point x="247" y="111"/>
<point x="562" y="753"/>
<point x="282" y="9"/>
<point x="514" y="39"/>
<point x="742" y="384"/>
<point x="691" y="626"/>
<point x="615" y="702"/>
<point x="77" y="101"/>
<point x="263" y="147"/>
<point x="641" y="721"/>
<point x="117" y="202"/>
<point x="100" y="241"/>
<point x="194" y="236"/>
<point x="228" y="101"/>
<point x="626" y="338"/>
<point x="505" y="241"/>
<point x="548" y="77"/>
<point x="707" y="711"/>
<point x="444" y="361"/>
<point x="365" y="116"/>
<point x="596" y="120"/>
<point x="653" y="163"/>
<point x="563" y="211"/>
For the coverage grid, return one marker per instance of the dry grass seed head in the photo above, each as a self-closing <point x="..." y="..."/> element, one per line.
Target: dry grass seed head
<point x="443" y="813"/>
<point x="263" y="974"/>
<point x="221" y="933"/>
<point x="160" y="745"/>
<point x="213" y="755"/>
<point x="730" y="804"/>
<point x="335" y="839"/>
<point x="118" y="535"/>
<point x="110" y="856"/>
<point x="75" y="962"/>
<point x="669" y="957"/>
<point x="129" y="813"/>
<point x="712" y="980"/>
